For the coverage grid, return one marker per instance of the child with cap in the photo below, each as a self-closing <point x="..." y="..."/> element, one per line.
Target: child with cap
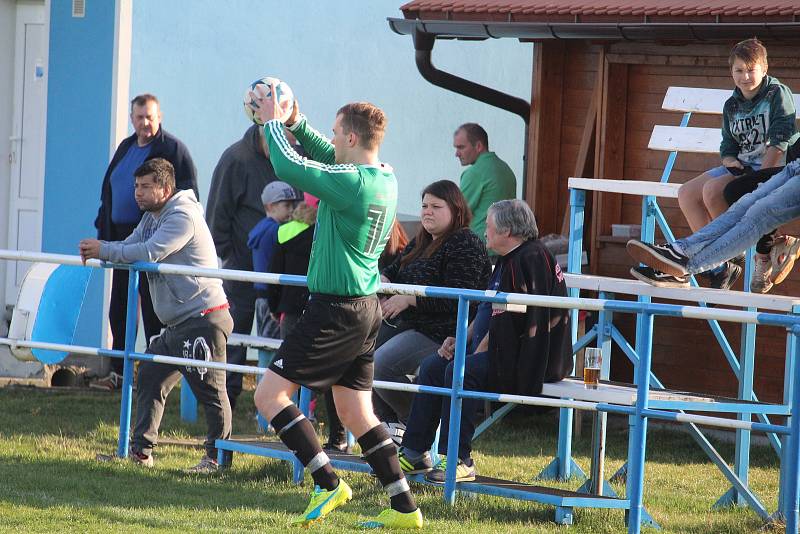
<point x="279" y="199"/>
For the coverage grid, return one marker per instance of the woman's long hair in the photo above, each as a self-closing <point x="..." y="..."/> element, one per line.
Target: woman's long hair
<point x="306" y="213"/>
<point x="398" y="239"/>
<point x="425" y="245"/>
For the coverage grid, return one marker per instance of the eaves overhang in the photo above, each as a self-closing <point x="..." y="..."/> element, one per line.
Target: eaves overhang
<point x="538" y="31"/>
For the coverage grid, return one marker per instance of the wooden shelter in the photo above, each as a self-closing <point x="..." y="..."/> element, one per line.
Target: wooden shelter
<point x="600" y="73"/>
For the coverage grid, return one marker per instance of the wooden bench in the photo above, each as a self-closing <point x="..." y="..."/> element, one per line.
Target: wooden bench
<point x="675" y="139"/>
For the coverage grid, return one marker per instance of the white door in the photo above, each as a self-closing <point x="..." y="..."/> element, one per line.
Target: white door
<point x="27" y="140"/>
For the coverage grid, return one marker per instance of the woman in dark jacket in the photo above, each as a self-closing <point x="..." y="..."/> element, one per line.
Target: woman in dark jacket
<point x="444" y="252"/>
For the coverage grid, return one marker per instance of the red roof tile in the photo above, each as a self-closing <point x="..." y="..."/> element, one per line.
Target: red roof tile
<point x="544" y="10"/>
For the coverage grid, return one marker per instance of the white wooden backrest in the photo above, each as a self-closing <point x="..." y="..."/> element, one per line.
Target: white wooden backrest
<point x="700" y="100"/>
<point x="627" y="187"/>
<point x="685" y="139"/>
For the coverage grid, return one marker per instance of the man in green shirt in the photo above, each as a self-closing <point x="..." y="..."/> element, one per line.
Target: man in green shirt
<point x="332" y="345"/>
<point x="487" y="179"/>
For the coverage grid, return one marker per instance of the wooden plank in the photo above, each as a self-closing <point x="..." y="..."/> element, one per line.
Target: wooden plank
<point x="700" y="100"/>
<point x="614" y="393"/>
<point x="609" y="150"/>
<point x="737" y="299"/>
<point x="585" y="150"/>
<point x="688" y="139"/>
<point x="627" y="187"/>
<point x="544" y="160"/>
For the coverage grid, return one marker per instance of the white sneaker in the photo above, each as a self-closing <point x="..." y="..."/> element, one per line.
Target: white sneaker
<point x="783" y="254"/>
<point x="111" y="382"/>
<point x="760" y="281"/>
<point x="206" y="466"/>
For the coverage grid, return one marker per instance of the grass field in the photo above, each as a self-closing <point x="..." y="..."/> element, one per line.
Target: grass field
<point x="50" y="482"/>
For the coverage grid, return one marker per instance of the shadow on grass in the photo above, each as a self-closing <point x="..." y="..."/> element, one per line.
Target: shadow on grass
<point x="46" y="483"/>
<point x="538" y="432"/>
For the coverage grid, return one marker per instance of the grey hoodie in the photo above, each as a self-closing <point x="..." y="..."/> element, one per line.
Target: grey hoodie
<point x="177" y="235"/>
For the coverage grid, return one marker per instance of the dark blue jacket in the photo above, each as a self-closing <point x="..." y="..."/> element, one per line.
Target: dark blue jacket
<point x="165" y="145"/>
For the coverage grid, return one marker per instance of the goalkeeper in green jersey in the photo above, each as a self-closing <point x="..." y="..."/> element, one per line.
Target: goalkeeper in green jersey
<point x="332" y="344"/>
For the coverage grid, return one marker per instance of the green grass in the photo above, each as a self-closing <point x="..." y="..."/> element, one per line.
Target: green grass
<point x="50" y="482"/>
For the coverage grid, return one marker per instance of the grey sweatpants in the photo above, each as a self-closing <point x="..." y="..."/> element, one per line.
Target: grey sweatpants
<point x="193" y="338"/>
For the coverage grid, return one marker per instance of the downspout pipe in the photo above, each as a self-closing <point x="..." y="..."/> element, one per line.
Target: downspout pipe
<point x="423" y="48"/>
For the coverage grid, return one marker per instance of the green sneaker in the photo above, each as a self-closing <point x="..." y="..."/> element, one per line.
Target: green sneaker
<point x="324" y="502"/>
<point x="464" y="472"/>
<point x="413" y="466"/>
<point x="393" y="519"/>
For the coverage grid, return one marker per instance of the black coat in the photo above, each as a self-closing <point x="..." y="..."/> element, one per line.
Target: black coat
<point x="290" y="257"/>
<point x="527" y="349"/>
<point x="165" y="145"/>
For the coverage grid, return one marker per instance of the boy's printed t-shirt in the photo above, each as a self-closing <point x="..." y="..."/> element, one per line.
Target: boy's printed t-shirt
<point x="749" y="127"/>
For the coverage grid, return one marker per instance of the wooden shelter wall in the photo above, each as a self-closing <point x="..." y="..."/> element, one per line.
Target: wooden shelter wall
<point x="627" y="116"/>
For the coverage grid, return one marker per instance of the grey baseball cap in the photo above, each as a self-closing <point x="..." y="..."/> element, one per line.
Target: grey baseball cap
<point x="277" y="191"/>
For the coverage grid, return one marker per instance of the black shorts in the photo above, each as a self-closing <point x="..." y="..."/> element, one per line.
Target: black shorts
<point x="332" y="344"/>
<point x="747" y="183"/>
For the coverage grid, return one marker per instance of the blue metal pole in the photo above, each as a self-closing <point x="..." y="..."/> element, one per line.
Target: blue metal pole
<point x="127" y="369"/>
<point x="455" y="401"/>
<point x="789" y="469"/>
<point x="746" y="370"/>
<point x="639" y="437"/>
<point x="789" y="388"/>
<point x="574" y="265"/>
<point x="188" y="402"/>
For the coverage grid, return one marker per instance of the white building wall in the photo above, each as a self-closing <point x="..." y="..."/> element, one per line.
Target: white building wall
<point x="197" y="56"/>
<point x="7" y="23"/>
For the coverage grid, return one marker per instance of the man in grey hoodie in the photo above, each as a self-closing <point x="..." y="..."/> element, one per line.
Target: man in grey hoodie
<point x="193" y="308"/>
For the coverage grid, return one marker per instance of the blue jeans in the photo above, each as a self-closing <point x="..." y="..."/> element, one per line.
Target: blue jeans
<point x="396" y="359"/>
<point x="774" y="202"/>
<point x="427" y="410"/>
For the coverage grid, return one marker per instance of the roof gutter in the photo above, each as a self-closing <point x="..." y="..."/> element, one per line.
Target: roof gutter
<point x="638" y="31"/>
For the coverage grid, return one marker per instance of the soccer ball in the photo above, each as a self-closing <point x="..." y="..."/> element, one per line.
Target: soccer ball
<point x="261" y="89"/>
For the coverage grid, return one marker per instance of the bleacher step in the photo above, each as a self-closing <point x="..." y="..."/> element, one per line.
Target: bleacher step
<point x="482" y="484"/>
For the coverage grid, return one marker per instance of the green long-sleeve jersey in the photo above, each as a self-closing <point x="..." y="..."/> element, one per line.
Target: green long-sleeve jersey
<point x="356" y="210"/>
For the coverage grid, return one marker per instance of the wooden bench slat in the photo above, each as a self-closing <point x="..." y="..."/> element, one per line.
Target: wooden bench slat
<point x="685" y="139"/>
<point x="694" y="295"/>
<point x="628" y="187"/>
<point x="256" y="342"/>
<point x="701" y="100"/>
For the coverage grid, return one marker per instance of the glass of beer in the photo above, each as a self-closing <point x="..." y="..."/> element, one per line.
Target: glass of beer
<point x="592" y="359"/>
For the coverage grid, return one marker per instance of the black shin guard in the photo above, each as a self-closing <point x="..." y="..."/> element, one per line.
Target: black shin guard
<point x="381" y="454"/>
<point x="297" y="433"/>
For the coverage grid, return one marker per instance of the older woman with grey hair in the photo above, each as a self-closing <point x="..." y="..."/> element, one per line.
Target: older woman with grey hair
<point x="513" y="352"/>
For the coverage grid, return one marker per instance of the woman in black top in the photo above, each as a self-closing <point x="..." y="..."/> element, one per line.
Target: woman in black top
<point x="444" y="252"/>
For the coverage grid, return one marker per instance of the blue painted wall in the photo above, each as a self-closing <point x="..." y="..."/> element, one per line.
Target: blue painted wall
<point x="199" y="55"/>
<point x="78" y="121"/>
<point x="78" y="130"/>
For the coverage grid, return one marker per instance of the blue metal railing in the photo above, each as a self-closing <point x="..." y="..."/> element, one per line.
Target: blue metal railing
<point x="640" y="413"/>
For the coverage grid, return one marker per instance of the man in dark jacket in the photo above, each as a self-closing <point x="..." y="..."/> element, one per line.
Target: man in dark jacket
<point x="234" y="208"/>
<point x="514" y="353"/>
<point x="119" y="214"/>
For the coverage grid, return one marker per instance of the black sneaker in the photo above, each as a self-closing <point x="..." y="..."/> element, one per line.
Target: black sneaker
<point x="726" y="277"/>
<point x="657" y="278"/>
<point x="662" y="257"/>
<point x="337" y="447"/>
<point x="415" y="465"/>
<point x="464" y="472"/>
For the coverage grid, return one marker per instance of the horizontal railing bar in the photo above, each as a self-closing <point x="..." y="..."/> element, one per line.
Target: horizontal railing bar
<point x="414" y="388"/>
<point x="672" y="310"/>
